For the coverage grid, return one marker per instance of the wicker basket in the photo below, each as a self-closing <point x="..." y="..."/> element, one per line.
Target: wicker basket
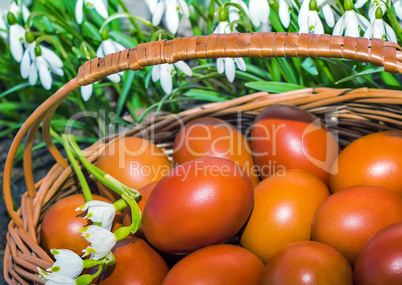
<point x="357" y="112"/>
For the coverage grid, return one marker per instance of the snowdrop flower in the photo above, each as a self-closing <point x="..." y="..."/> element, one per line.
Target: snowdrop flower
<point x="372" y="7"/>
<point x="313" y="23"/>
<point x="227" y="65"/>
<point x="379" y="29"/>
<point x="55" y="278"/>
<point x="169" y="8"/>
<point x="40" y="60"/>
<point x="259" y="12"/>
<point x="234" y="13"/>
<point x="326" y="8"/>
<point x="350" y="22"/>
<point x="67" y="267"/>
<point x="99" y="212"/>
<point x="102" y="241"/>
<point x="16" y="37"/>
<point x="165" y="71"/>
<point x="285" y="6"/>
<point x="18" y="9"/>
<point x="100" y="6"/>
<point x="106" y="47"/>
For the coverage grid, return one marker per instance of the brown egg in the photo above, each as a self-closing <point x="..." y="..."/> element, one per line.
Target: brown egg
<point x="214" y="137"/>
<point x="217" y="265"/>
<point x="348" y="218"/>
<point x="61" y="223"/>
<point x="286" y="137"/>
<point x="201" y="202"/>
<point x="284" y="206"/>
<point x="136" y="263"/>
<point x="375" y="159"/>
<point x="135" y="162"/>
<point x="308" y="262"/>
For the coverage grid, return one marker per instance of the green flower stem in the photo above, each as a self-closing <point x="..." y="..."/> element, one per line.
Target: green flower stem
<point x="53" y="41"/>
<point x="244" y="14"/>
<point x="120" y="205"/>
<point x="104" y="178"/>
<point x="87" y="278"/>
<point x="199" y="11"/>
<point x="85" y="188"/>
<point x="86" y="46"/>
<point x="159" y="34"/>
<point x="124" y="15"/>
<point x="89" y="263"/>
<point x="135" y="213"/>
<point x="132" y="21"/>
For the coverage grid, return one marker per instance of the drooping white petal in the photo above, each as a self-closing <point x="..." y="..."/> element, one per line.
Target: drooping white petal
<point x="99" y="51"/>
<point x="114" y="77"/>
<point x="230" y="69"/>
<point x="315" y="23"/>
<point x="86" y="91"/>
<point x="351" y="24"/>
<point x="67" y="263"/>
<point x="102" y="241"/>
<point x="390" y="33"/>
<point x="284" y="13"/>
<point x="172" y="17"/>
<point x="99" y="212"/>
<point x="398" y="8"/>
<point x="241" y="64"/>
<point x="79" y="15"/>
<point x="259" y="12"/>
<point x="339" y="26"/>
<point x="378" y="30"/>
<point x="101" y="8"/>
<point x="303" y="14"/>
<point x="166" y="71"/>
<point x="17" y="35"/>
<point x="222" y="28"/>
<point x="363" y="22"/>
<point x="55" y="278"/>
<point x="328" y="15"/>
<point x="51" y="57"/>
<point x="33" y="74"/>
<point x="56" y="70"/>
<point x="183" y="67"/>
<point x="25" y="64"/>
<point x="25" y="12"/>
<point x="183" y="8"/>
<point x="158" y="13"/>
<point x="156" y="73"/>
<point x="44" y="72"/>
<point x="151" y="5"/>
<point x="108" y="47"/>
<point x="220" y="65"/>
<point x="118" y="46"/>
<point x="360" y="3"/>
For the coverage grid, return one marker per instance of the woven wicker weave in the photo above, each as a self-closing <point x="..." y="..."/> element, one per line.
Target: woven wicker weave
<point x="357" y="112"/>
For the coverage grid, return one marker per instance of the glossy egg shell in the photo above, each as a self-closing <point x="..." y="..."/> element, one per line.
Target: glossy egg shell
<point x="201" y="202"/>
<point x="348" y="218"/>
<point x="308" y="262"/>
<point x="135" y="162"/>
<point x="284" y="206"/>
<point x="214" y="137"/>
<point x="286" y="137"/>
<point x="61" y="222"/>
<point x="136" y="263"/>
<point x="217" y="265"/>
<point x="380" y="260"/>
<point x="375" y="159"/>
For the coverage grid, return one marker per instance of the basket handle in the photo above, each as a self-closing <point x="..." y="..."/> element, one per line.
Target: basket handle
<point x="375" y="51"/>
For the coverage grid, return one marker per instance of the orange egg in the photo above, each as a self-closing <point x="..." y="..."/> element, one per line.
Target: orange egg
<point x="135" y="162"/>
<point x="375" y="159"/>
<point x="286" y="137"/>
<point x="348" y="218"/>
<point x="213" y="137"/>
<point x="284" y="206"/>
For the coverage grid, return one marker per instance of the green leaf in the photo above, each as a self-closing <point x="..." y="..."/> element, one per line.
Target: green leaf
<point x="91" y="31"/>
<point x="274" y="87"/>
<point x="207" y="95"/>
<point x="124" y="93"/>
<point x="360" y="74"/>
<point x="15" y="88"/>
<point x="123" y="39"/>
<point x="309" y="65"/>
